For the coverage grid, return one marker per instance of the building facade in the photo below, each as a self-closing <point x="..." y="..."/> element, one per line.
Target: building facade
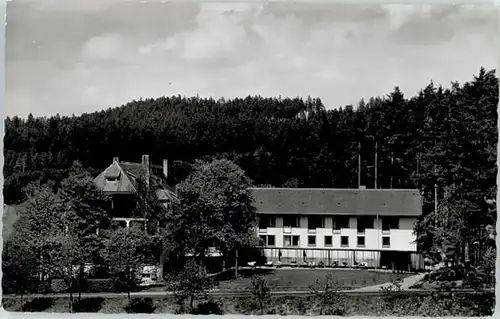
<point x="370" y="227"/>
<point x="122" y="179"/>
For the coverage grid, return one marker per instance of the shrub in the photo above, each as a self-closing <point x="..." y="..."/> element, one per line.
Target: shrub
<point x="99" y="285"/>
<point x="38" y="304"/>
<point x="327" y="297"/>
<point x="261" y="291"/>
<point x="210" y="307"/>
<point x="246" y="305"/>
<point x="58" y="285"/>
<point x="90" y="285"/>
<point x="88" y="304"/>
<point x="140" y="305"/>
<point x="44" y="287"/>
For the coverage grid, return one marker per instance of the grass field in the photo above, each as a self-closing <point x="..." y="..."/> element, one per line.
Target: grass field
<point x="301" y="279"/>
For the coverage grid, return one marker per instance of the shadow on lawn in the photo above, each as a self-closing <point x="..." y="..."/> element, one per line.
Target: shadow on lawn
<point x="88" y="304"/>
<point x="38" y="304"/>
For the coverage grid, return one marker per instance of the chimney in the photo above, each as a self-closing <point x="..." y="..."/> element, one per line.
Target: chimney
<point x="146" y="167"/>
<point x="362" y="187"/>
<point x="165" y="168"/>
<point x="115" y="160"/>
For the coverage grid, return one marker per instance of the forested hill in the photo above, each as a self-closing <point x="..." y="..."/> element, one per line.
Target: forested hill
<point x="443" y="134"/>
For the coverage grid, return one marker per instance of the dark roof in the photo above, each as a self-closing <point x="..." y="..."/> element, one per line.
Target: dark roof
<point x="128" y="174"/>
<point x="125" y="182"/>
<point x="383" y="202"/>
<point x="133" y="170"/>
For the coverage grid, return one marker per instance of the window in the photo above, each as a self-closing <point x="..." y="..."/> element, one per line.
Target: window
<point x="267" y="221"/>
<point x="340" y="222"/>
<point x="386" y="242"/>
<point x="328" y="241"/>
<point x="111" y="179"/>
<point x="268" y="240"/>
<point x="291" y="221"/>
<point x="311" y="241"/>
<point x="291" y="241"/>
<point x="287" y="241"/>
<point x="344" y="241"/>
<point x="271" y="240"/>
<point x="314" y="222"/>
<point x="389" y="223"/>
<point x="365" y="222"/>
<point x="361" y="241"/>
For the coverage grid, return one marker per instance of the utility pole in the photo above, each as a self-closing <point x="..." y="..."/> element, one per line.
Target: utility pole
<point x="392" y="167"/>
<point x="236" y="265"/>
<point x="435" y="191"/>
<point x="376" y="171"/>
<point x="418" y="164"/>
<point x="359" y="164"/>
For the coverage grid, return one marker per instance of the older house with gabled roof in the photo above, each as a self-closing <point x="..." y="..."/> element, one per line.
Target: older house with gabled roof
<point x="371" y="227"/>
<point x="122" y="181"/>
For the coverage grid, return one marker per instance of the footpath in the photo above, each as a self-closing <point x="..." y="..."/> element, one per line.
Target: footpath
<point x="406" y="283"/>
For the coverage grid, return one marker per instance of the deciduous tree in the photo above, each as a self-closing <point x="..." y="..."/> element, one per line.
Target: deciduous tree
<point x="124" y="256"/>
<point x="215" y="210"/>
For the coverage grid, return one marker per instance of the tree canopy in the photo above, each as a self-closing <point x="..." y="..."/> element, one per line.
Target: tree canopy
<point x="215" y="210"/>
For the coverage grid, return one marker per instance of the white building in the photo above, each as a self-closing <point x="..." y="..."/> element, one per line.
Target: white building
<point x="339" y="226"/>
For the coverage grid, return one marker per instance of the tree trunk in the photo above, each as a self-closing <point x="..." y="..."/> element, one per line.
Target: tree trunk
<point x="22" y="301"/>
<point x="191" y="301"/>
<point x="71" y="296"/>
<point x="128" y="283"/>
<point x="128" y="287"/>
<point x="80" y="282"/>
<point x="236" y="265"/>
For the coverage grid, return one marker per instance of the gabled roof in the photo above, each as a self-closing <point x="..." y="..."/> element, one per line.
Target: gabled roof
<point x="127" y="175"/>
<point x="124" y="183"/>
<point x="382" y="202"/>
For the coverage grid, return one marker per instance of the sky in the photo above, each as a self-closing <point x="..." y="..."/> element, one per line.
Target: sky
<point x="74" y="57"/>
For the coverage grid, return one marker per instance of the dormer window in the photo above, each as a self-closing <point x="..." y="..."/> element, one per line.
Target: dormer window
<point x="112" y="174"/>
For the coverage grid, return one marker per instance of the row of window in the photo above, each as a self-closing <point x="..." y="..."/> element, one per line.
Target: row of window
<point x="294" y="241"/>
<point x="339" y="222"/>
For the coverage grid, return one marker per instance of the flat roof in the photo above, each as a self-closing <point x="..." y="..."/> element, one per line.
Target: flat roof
<point x="330" y="201"/>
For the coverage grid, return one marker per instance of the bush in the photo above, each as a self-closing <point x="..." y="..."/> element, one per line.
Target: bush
<point x="88" y="304"/>
<point x="44" y="287"/>
<point x="90" y="285"/>
<point x="140" y="305"/>
<point x="58" y="285"/>
<point x="10" y="286"/>
<point x="210" y="307"/>
<point x="439" y="304"/>
<point x="38" y="304"/>
<point x="100" y="285"/>
<point x="246" y="305"/>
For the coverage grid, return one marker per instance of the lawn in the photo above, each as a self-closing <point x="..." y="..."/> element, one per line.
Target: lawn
<point x="301" y="279"/>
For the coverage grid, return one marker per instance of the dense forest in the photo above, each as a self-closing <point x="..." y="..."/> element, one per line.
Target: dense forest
<point x="442" y="136"/>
